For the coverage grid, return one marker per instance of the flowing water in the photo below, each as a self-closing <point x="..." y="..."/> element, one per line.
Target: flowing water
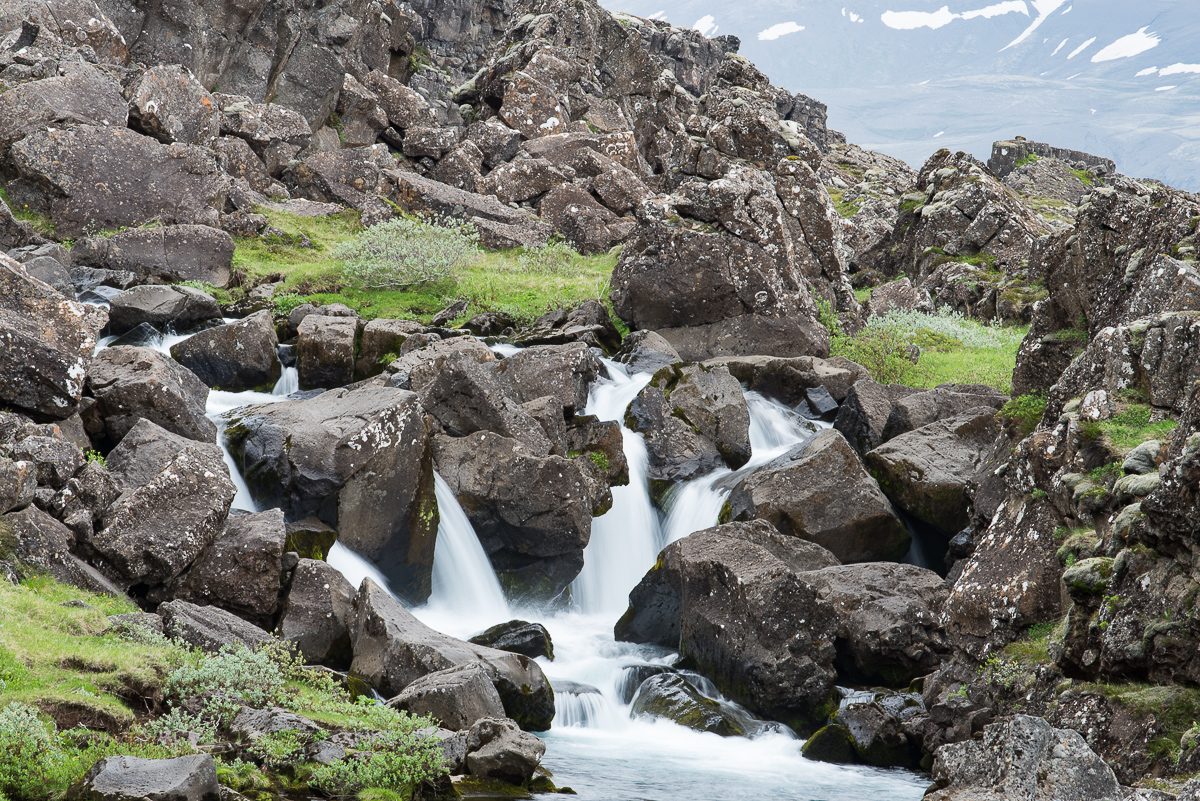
<point x="595" y="746"/>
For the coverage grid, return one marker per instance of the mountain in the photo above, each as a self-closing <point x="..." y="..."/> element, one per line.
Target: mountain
<point x="905" y="77"/>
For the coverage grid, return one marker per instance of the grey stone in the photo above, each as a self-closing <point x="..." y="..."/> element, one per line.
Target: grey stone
<point x="167" y="253"/>
<point x="318" y="613"/>
<point x="134" y="383"/>
<point x="209" y="628"/>
<point x="180" y="306"/>
<point x="456" y="697"/>
<point x="234" y="357"/>
<point x="497" y="749"/>
<point x="129" y="778"/>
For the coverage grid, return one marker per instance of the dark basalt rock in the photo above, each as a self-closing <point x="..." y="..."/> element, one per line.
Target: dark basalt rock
<point x="672" y="697"/>
<point x="519" y="637"/>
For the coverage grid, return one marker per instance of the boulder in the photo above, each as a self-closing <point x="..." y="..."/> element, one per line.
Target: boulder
<point x="130" y="778"/>
<point x="456" y="697"/>
<point x="252" y="724"/>
<point x="168" y="103"/>
<point x="168" y="253"/>
<point x="673" y="697"/>
<point x="893" y="296"/>
<point x="55" y="460"/>
<point x="404" y="107"/>
<point x="522" y="179"/>
<point x="465" y="398"/>
<point x="51" y="271"/>
<point x="832" y="743"/>
<point x="317" y="614"/>
<point x="884" y="728"/>
<point x="819" y="491"/>
<point x="153" y="532"/>
<point x="239" y="160"/>
<point x="83" y="96"/>
<point x="518" y="637"/>
<point x="382" y="338"/>
<point x="18" y="480"/>
<point x="130" y="384"/>
<point x="392" y="649"/>
<point x="41" y="543"/>
<point x="90" y="177"/>
<point x="1023" y="757"/>
<point x="460" y="168"/>
<point x="429" y="142"/>
<point x="949" y="400"/>
<point x="580" y="219"/>
<point x="497" y="749"/>
<point x="646" y="352"/>
<point x="210" y="628"/>
<point x="361" y="120"/>
<point x="178" y="306"/>
<point x="234" y="357"/>
<point x="359" y="460"/>
<point x="532" y="512"/>
<point x="925" y="471"/>
<point x="499" y="225"/>
<point x="241" y="569"/>
<point x="565" y="372"/>
<point x="789" y="380"/>
<point x="276" y="133"/>
<point x="146" y="449"/>
<point x="735" y="600"/>
<point x="864" y="413"/>
<point x="496" y="141"/>
<point x="325" y="350"/>
<point x="47" y="340"/>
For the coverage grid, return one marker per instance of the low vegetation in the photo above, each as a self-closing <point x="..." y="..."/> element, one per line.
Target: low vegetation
<point x="72" y="692"/>
<point x="1024" y="412"/>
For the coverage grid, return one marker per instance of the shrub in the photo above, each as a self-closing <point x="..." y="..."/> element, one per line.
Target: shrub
<point x="1024" y="412"/>
<point x="175" y="723"/>
<point x="404" y="253"/>
<point x="555" y="258"/>
<point x="29" y="753"/>
<point x="97" y="457"/>
<point x="396" y="761"/>
<point x="255" y="677"/>
<point x="884" y="350"/>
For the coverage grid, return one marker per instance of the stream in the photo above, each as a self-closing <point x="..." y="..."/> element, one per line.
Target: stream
<point x="595" y="746"/>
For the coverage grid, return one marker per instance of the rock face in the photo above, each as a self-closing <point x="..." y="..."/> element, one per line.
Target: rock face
<point x="234" y="357"/>
<point x="130" y="384"/>
<point x="318" y="613"/>
<point x="126" y="778"/>
<point x="166" y="253"/>
<point x="146" y="449"/>
<point x="532" y="513"/>
<point x="210" y="628"/>
<point x="925" y="470"/>
<point x="47" y="340"/>
<point x="392" y="649"/>
<point x="820" y="492"/>
<point x="182" y="307"/>
<point x="1023" y="757"/>
<point x="91" y="177"/>
<point x="361" y="461"/>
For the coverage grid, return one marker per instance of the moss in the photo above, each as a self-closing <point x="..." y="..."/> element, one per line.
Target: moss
<point x="1085" y="176"/>
<point x="1031" y="158"/>
<point x="833" y="743"/>
<point x="600" y="460"/>
<point x="1024" y="412"/>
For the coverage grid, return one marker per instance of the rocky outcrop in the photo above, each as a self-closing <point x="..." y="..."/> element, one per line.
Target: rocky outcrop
<point x="165" y="253"/>
<point x="1008" y="154"/>
<point x="360" y="460"/>
<point x="819" y="491"/>
<point x="234" y="357"/>
<point x="130" y="384"/>
<point x="181" y="307"/>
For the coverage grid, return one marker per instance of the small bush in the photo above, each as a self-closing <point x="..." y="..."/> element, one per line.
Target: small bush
<point x="884" y="350"/>
<point x="255" y="677"/>
<point x="29" y="753"/>
<point x="396" y="761"/>
<point x="405" y="253"/>
<point x="1024" y="412"/>
<point x="97" y="457"/>
<point x="175" y="723"/>
<point x="556" y="258"/>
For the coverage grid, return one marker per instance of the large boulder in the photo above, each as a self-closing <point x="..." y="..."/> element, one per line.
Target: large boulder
<point x="735" y="601"/>
<point x="47" y="340"/>
<point x="949" y="400"/>
<point x="87" y="178"/>
<point x="673" y="697"/>
<point x="497" y="749"/>
<point x="532" y="512"/>
<point x="40" y="543"/>
<point x="129" y="778"/>
<point x="317" y="614"/>
<point x="498" y="224"/>
<point x="82" y="96"/>
<point x="360" y="460"/>
<point x="18" y="481"/>
<point x="864" y="413"/>
<point x="130" y="384"/>
<point x="456" y="697"/>
<point x="168" y="103"/>
<point x="146" y="449"/>
<point x="392" y="649"/>
<point x="820" y="492"/>
<point x="1023" y="757"/>
<point x="179" y="306"/>
<point x="234" y="357"/>
<point x="210" y="628"/>
<point x="519" y="637"/>
<point x="925" y="471"/>
<point x="694" y="419"/>
<point x="240" y="570"/>
<point x="565" y="372"/>
<point x="153" y="532"/>
<point x="165" y="253"/>
<point x="325" y="350"/>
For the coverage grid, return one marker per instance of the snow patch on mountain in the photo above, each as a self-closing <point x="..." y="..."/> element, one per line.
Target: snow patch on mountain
<point x="1180" y="69"/>
<point x="1044" y="8"/>
<point x="1081" y="48"/>
<point x="780" y="29"/>
<point x="1128" y="46"/>
<point x="911" y="20"/>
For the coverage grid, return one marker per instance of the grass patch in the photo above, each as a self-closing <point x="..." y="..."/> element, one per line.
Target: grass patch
<point x="1023" y="413"/>
<point x="41" y="223"/>
<point x="1085" y="176"/>
<point x="522" y="284"/>
<point x="1133" y="425"/>
<point x="845" y="208"/>
<point x="1029" y="159"/>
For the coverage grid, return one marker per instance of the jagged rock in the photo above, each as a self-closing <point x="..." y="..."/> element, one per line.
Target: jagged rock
<point x="129" y="778"/>
<point x="694" y="419"/>
<point x="361" y="118"/>
<point x="325" y="350"/>
<point x="457" y="697"/>
<point x="146" y="449"/>
<point x="381" y="338"/>
<point x="166" y="102"/>
<point x="789" y="380"/>
<point x="14" y="232"/>
<point x="179" y="306"/>
<point x="671" y="696"/>
<point x="240" y="570"/>
<point x="419" y="365"/>
<point x="404" y="107"/>
<point x="497" y="142"/>
<point x="84" y="498"/>
<point x="499" y="226"/>
<point x="588" y="323"/>
<point x="519" y="637"/>
<point x="565" y="372"/>
<point x="47" y="341"/>
<point x="168" y="253"/>
<point x="646" y="352"/>
<point x="465" y="398"/>
<point x="55" y="460"/>
<point x="51" y="271"/>
<point x="90" y="177"/>
<point x="925" y="471"/>
<point x="274" y="132"/>
<point x="152" y="533"/>
<point x="431" y="142"/>
<point x="83" y="96"/>
<point x="392" y="649"/>
<point x="252" y="724"/>
<point x="893" y="296"/>
<point x="210" y="628"/>
<point x="134" y="383"/>
<point x="580" y="219"/>
<point x="71" y="23"/>
<point x="317" y="614"/>
<point x="532" y="513"/>
<point x="819" y="491"/>
<point x="949" y="400"/>
<point x="233" y="357"/>
<point x="353" y="177"/>
<point x="864" y="413"/>
<point x="239" y="160"/>
<point x="41" y="543"/>
<point x="18" y="480"/>
<point x="732" y="596"/>
<point x="359" y="460"/>
<point x="497" y="749"/>
<point x="1007" y="154"/>
<point x="884" y="728"/>
<point x="460" y="168"/>
<point x="522" y="179"/>
<point x="1023" y="757"/>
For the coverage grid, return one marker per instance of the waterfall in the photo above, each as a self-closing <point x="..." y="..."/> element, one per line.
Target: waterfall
<point x="464" y="582"/>
<point x="289" y="382"/>
<point x="217" y="409"/>
<point x="626" y="539"/>
<point x="355" y="568"/>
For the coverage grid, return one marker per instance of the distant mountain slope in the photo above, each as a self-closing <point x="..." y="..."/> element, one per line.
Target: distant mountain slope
<point x="1113" y="77"/>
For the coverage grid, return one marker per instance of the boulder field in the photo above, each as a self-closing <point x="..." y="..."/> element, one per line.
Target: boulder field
<point x="994" y="585"/>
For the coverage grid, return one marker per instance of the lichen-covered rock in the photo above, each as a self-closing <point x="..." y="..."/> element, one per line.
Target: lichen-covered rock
<point x="168" y="253"/>
<point x="82" y="96"/>
<point x="134" y="383"/>
<point x="168" y="103"/>
<point x="325" y="350"/>
<point x="497" y="749"/>
<point x="125" y="778"/>
<point x="317" y="614"/>
<point x="210" y="628"/>
<point x="47" y="340"/>
<point x="456" y="697"/>
<point x="146" y="449"/>
<point x="672" y="697"/>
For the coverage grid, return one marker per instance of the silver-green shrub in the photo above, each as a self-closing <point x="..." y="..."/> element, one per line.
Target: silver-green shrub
<point x="404" y="253"/>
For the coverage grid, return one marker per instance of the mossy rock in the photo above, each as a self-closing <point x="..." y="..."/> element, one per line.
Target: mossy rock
<point x="833" y="743"/>
<point x="488" y="789"/>
<point x="1089" y="577"/>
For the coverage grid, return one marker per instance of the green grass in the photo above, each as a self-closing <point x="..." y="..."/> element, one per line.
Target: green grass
<point x="1132" y="425"/>
<point x="1029" y="159"/>
<point x="1025" y="412"/>
<point x="41" y="223"/>
<point x="1085" y="176"/>
<point x="845" y="208"/>
<point x="863" y="295"/>
<point x="497" y="282"/>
